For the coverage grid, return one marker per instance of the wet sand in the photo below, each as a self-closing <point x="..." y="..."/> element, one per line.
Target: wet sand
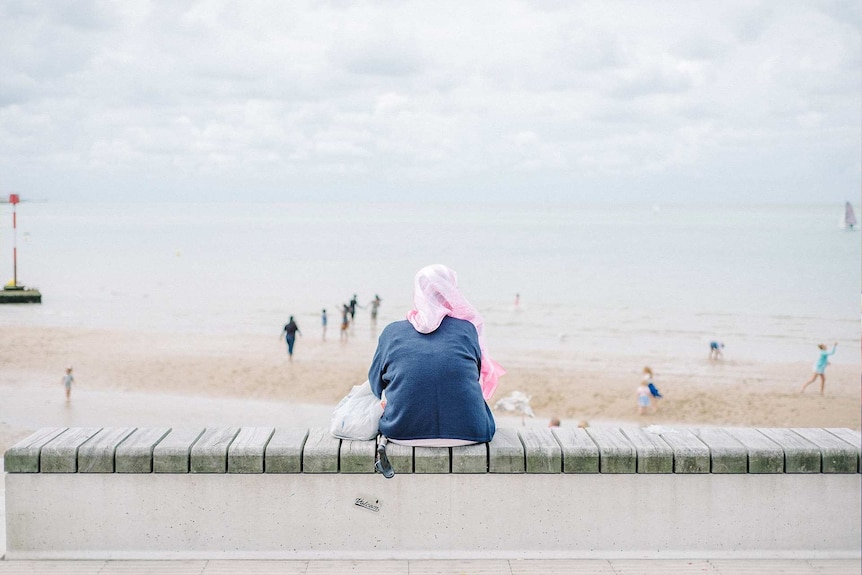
<point x="149" y="379"/>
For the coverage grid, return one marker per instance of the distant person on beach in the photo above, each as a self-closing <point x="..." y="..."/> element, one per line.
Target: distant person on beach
<point x="323" y="321"/>
<point x="345" y="322"/>
<point x="375" y="305"/>
<point x="517" y="299"/>
<point x="68" y="380"/>
<point x="434" y="370"/>
<point x="820" y="367"/>
<point x="653" y="390"/>
<point x="352" y="306"/>
<point x="643" y="397"/>
<point x="289" y="331"/>
<point x="715" y="348"/>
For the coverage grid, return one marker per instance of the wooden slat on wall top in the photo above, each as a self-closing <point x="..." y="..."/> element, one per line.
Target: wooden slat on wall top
<point x="172" y="454"/>
<point x="616" y="452"/>
<point x="321" y="451"/>
<point x="764" y="455"/>
<point x="506" y="453"/>
<point x="541" y="450"/>
<point x="97" y="454"/>
<point x="580" y="453"/>
<point x="654" y="454"/>
<point x="727" y="454"/>
<point x="60" y="455"/>
<point x="358" y="456"/>
<point x="853" y="438"/>
<point x="470" y="458"/>
<point x="431" y="460"/>
<point x="654" y="449"/>
<point x="135" y="454"/>
<point x="246" y="451"/>
<point x="800" y="455"/>
<point x="23" y="457"/>
<point x="690" y="454"/>
<point x="284" y="450"/>
<point x="400" y="456"/>
<point x="837" y="456"/>
<point x="209" y="453"/>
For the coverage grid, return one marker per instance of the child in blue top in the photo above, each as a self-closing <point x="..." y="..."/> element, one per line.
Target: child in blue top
<point x="653" y="390"/>
<point x="820" y="367"/>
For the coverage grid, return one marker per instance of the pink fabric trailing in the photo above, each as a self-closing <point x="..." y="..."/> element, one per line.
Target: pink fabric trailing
<point x="435" y="296"/>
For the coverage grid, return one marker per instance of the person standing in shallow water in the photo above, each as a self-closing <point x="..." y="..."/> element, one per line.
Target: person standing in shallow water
<point x="345" y="322"/>
<point x="323" y="321"/>
<point x="289" y="331"/>
<point x="820" y="367"/>
<point x="375" y="305"/>
<point x="352" y="307"/>
<point x="68" y="379"/>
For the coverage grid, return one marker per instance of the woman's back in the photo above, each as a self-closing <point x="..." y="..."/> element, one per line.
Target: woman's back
<point x="431" y="382"/>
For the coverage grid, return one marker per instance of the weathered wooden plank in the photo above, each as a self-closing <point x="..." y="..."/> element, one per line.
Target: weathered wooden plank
<point x="506" y="452"/>
<point x="764" y="455"/>
<point x="284" y="451"/>
<point x="837" y="456"/>
<point x="400" y="457"/>
<point x="800" y="455"/>
<point x="541" y="450"/>
<point x="580" y="452"/>
<point x="358" y="456"/>
<point x="851" y="436"/>
<point x="209" y="453"/>
<point x="470" y="458"/>
<point x="320" y="454"/>
<point x="60" y="455"/>
<point x="96" y="455"/>
<point x="616" y="453"/>
<point x="727" y="454"/>
<point x="431" y="460"/>
<point x="173" y="453"/>
<point x="654" y="455"/>
<point x="245" y="454"/>
<point x="135" y="454"/>
<point x="690" y="454"/>
<point x="23" y="457"/>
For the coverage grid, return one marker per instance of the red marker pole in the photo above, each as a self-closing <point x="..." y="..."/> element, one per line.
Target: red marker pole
<point x="13" y="199"/>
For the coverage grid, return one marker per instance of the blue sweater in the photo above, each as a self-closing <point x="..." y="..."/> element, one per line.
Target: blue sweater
<point x="431" y="382"/>
<point x="823" y="360"/>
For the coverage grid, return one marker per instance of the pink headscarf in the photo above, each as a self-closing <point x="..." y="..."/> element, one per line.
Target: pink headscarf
<point x="436" y="295"/>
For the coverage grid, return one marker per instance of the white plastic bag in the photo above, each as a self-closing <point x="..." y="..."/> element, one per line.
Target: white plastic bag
<point x="357" y="415"/>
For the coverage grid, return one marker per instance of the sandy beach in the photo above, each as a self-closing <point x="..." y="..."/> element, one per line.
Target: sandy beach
<point x="123" y="364"/>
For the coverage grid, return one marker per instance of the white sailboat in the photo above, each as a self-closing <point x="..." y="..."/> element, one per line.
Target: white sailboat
<point x="849" y="216"/>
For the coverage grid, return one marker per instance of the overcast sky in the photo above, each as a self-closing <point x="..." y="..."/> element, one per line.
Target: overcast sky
<point x="648" y="101"/>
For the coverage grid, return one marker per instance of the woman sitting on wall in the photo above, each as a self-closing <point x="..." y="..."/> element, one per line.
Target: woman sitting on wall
<point x="434" y="371"/>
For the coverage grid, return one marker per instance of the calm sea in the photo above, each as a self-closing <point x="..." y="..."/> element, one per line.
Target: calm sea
<point x="770" y="282"/>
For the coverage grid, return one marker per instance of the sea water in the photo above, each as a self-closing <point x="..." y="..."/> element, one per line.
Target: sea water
<point x="770" y="282"/>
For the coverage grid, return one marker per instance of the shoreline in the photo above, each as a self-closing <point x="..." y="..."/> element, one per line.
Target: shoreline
<point x="595" y="387"/>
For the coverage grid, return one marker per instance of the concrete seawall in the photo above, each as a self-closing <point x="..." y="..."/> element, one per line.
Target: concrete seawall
<point x="292" y="493"/>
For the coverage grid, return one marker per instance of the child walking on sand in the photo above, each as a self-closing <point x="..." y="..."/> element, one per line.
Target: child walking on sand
<point x="643" y="397"/>
<point x="67" y="382"/>
<point x="653" y="390"/>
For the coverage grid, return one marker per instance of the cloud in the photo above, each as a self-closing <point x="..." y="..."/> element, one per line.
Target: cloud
<point x="385" y="99"/>
<point x="376" y="52"/>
